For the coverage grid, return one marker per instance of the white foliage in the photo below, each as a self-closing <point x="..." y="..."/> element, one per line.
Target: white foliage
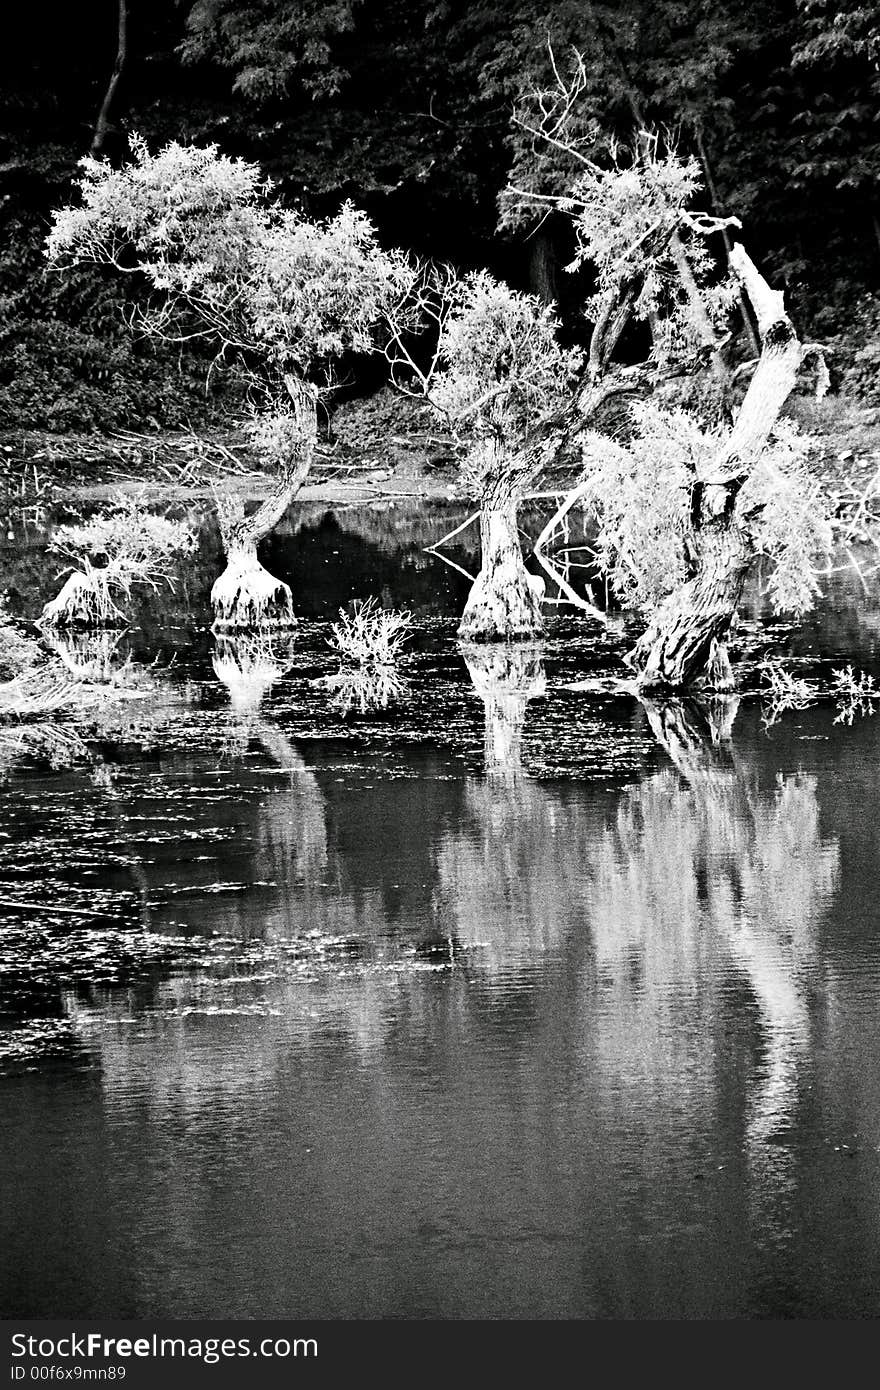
<point x="370" y="635"/>
<point x="109" y="554"/>
<point x="791" y="526"/>
<point x="616" y="209"/>
<point x="639" y="495"/>
<point x="227" y="262"/>
<point x="503" y="373"/>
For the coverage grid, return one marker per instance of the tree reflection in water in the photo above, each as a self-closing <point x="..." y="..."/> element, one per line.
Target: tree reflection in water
<point x="630" y="924"/>
<point x="291" y="834"/>
<point x="702" y="862"/>
<point x="510" y="871"/>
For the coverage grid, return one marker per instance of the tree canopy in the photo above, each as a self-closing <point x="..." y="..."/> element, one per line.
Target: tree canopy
<point x="423" y="113"/>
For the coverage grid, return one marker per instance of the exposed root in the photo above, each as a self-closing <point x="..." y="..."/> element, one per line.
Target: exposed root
<point x="84" y="602"/>
<point x="504" y="605"/>
<point x="246" y="597"/>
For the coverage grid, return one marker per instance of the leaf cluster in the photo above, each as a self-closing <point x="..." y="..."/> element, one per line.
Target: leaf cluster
<point x="269" y="46"/>
<point x="641" y="496"/>
<point x="227" y="263"/>
<point x="503" y="374"/>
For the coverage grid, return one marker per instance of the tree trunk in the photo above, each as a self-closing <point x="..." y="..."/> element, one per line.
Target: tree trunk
<point x="504" y="604"/>
<point x="246" y="596"/>
<point x="685" y="642"/>
<point x="102" y="124"/>
<point x="542" y="267"/>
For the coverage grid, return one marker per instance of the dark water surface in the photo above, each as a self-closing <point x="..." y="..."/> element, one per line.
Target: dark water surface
<point x="512" y="999"/>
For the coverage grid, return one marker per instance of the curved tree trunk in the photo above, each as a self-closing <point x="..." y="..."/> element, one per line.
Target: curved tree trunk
<point x="504" y="604"/>
<point x="247" y="596"/>
<point x="102" y="124"/>
<point x="685" y="643"/>
<point x="542" y="267"/>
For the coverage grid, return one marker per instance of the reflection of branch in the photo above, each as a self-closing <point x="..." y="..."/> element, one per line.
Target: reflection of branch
<point x="571" y="596"/>
<point x="365" y="688"/>
<point x="556" y="521"/>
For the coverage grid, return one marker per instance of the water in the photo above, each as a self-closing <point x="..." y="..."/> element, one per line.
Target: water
<point x="511" y="999"/>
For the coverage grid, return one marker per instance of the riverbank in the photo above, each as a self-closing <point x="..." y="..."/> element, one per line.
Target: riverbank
<point x="383" y="447"/>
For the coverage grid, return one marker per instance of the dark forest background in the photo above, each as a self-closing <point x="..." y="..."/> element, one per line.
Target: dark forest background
<point x="406" y="107"/>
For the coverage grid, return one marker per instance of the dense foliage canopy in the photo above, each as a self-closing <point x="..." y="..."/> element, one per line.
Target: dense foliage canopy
<point x="422" y="113"/>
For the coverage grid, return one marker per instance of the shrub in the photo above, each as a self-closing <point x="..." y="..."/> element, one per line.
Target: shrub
<point x="114" y="551"/>
<point x="370" y="635"/>
<point x="855" y="354"/>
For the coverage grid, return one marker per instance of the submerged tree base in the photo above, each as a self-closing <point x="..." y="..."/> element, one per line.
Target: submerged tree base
<point x="503" y="613"/>
<point x="504" y="604"/>
<point x="247" y="597"/>
<point x="83" y="602"/>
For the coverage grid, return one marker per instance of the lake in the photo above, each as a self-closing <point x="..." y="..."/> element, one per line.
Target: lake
<point x="514" y="998"/>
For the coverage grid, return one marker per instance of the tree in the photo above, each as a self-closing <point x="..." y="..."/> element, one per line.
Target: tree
<point x="102" y="124"/>
<point x="837" y="49"/>
<point x="281" y="296"/>
<point x="689" y="503"/>
<point x="270" y="46"/>
<point x="684" y="509"/>
<point x="502" y="380"/>
<point x="746" y="492"/>
<point x="371" y="99"/>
